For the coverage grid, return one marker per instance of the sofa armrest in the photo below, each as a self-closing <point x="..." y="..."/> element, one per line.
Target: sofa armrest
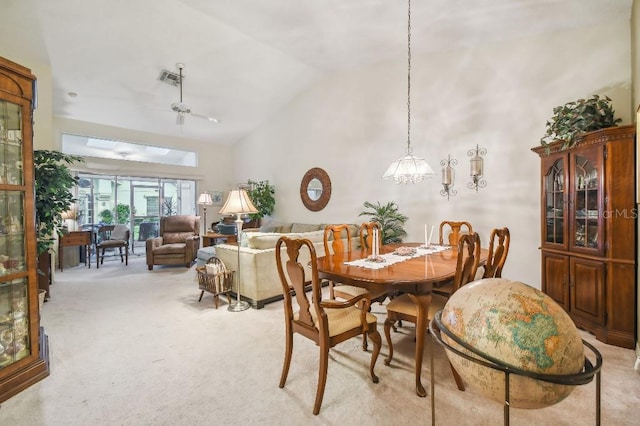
<point x="193" y="244"/>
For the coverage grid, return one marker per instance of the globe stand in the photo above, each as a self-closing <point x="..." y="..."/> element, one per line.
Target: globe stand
<point x="585" y="376"/>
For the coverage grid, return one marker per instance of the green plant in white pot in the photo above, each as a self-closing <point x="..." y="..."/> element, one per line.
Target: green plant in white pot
<point x="575" y="118"/>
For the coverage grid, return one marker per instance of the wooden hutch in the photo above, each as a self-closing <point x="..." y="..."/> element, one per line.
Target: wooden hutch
<point x="588" y="223"/>
<point x="24" y="356"/>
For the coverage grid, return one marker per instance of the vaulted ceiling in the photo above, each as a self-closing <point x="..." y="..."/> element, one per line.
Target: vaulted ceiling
<point x="246" y="59"/>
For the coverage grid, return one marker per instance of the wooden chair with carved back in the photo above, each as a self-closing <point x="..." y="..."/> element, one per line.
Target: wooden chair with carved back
<point x="455" y="230"/>
<point x="325" y="322"/>
<point x="498" y="251"/>
<point x="404" y="308"/>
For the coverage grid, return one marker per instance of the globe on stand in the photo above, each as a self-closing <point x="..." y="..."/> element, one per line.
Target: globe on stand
<point x="512" y="324"/>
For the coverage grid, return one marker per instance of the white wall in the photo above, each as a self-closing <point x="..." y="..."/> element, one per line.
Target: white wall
<point x="354" y="125"/>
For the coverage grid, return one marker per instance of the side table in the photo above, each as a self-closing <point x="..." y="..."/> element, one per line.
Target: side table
<point x="75" y="238"/>
<point x="209" y="239"/>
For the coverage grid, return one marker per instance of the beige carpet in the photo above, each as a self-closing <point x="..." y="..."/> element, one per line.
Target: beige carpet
<point x="133" y="347"/>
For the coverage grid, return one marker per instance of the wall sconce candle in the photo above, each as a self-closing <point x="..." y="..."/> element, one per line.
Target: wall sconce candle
<point x="448" y="177"/>
<point x="477" y="168"/>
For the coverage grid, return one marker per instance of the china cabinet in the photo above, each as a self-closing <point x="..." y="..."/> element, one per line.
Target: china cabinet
<point x="23" y="344"/>
<point x="588" y="231"/>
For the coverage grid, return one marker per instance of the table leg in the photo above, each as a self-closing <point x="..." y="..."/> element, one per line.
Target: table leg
<point x="422" y="301"/>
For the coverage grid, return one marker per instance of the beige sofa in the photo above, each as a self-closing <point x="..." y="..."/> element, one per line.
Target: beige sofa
<point x="260" y="283"/>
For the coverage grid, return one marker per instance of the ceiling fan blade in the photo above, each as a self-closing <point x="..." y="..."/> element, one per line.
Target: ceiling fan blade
<point x="206" y="117"/>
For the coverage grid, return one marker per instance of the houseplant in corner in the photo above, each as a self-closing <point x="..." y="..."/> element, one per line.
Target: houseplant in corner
<point x="53" y="196"/>
<point x="262" y="196"/>
<point x="390" y="219"/>
<point x="572" y="119"/>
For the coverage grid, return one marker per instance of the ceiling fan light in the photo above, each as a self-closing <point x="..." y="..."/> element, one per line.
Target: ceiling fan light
<point x="409" y="169"/>
<point x="180" y="119"/>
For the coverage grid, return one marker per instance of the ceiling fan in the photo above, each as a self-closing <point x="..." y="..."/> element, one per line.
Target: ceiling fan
<point x="183" y="109"/>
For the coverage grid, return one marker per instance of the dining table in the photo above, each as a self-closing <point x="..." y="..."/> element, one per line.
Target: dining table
<point x="417" y="276"/>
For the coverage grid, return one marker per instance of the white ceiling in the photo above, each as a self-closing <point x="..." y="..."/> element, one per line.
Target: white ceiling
<point x="246" y="59"/>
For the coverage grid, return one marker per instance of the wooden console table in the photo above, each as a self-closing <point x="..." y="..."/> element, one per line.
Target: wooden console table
<point x="75" y="238"/>
<point x="209" y="239"/>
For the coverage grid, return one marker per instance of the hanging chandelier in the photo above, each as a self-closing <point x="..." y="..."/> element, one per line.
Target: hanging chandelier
<point x="409" y="169"/>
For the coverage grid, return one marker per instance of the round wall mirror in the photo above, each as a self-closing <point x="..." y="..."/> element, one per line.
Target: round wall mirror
<point x="315" y="189"/>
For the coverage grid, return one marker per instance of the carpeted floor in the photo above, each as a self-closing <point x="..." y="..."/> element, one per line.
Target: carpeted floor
<point x="135" y="347"/>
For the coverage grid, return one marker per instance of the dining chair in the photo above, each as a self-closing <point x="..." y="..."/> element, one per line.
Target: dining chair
<point x="112" y="237"/>
<point x="327" y="323"/>
<point x="404" y="308"/>
<point x="455" y="230"/>
<point x="498" y="251"/>
<point x="334" y="243"/>
<point x="333" y="240"/>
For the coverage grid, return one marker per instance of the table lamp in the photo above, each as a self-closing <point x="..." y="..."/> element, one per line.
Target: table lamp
<point x="238" y="203"/>
<point x="205" y="200"/>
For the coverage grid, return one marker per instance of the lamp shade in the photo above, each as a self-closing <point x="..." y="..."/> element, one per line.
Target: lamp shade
<point x="238" y="202"/>
<point x="409" y="169"/>
<point x="205" y="198"/>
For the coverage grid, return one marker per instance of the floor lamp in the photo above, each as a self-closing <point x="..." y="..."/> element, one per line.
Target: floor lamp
<point x="238" y="203"/>
<point x="205" y="200"/>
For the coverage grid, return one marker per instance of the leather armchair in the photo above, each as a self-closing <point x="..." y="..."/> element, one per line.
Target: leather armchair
<point x="177" y="243"/>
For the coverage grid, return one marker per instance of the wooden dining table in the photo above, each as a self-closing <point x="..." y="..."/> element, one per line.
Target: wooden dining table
<point x="416" y="276"/>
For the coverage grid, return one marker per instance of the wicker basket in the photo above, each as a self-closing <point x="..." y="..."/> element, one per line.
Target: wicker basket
<point x="216" y="279"/>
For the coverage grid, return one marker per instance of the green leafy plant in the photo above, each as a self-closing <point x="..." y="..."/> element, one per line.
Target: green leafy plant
<point x="390" y="219"/>
<point x="53" y="196"/>
<point x="122" y="214"/>
<point x="106" y="216"/>
<point x="574" y="118"/>
<point x="262" y="195"/>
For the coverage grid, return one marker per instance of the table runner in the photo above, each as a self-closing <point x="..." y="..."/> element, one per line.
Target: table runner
<point x="392" y="258"/>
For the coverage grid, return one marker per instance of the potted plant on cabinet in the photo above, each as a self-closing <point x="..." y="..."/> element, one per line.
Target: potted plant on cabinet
<point x="572" y="119"/>
<point x="53" y="196"/>
<point x="390" y="219"/>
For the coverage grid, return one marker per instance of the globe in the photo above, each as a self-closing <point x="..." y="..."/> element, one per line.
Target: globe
<point x="520" y="327"/>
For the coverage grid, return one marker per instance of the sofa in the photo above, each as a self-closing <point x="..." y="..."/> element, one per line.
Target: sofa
<point x="260" y="283"/>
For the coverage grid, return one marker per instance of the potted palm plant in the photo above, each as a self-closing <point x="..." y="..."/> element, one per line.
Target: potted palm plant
<point x="390" y="219"/>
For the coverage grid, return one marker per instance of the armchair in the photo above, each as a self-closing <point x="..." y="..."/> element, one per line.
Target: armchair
<point x="177" y="243"/>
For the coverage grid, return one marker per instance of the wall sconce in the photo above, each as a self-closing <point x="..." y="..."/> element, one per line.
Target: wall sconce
<point x="477" y="168"/>
<point x="448" y="177"/>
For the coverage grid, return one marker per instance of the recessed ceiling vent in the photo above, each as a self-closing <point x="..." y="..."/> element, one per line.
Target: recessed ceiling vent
<point x="169" y="78"/>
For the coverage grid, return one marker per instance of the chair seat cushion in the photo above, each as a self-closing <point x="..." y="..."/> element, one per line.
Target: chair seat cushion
<point x="112" y="243"/>
<point x="403" y="304"/>
<point x="175" y="248"/>
<point x="342" y="319"/>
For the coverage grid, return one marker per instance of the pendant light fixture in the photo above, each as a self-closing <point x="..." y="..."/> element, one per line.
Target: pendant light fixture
<point x="409" y="169"/>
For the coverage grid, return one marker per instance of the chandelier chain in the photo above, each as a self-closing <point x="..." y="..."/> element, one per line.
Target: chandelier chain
<point x="409" y="79"/>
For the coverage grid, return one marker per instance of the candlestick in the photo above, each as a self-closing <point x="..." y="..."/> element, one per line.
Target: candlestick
<point x="426" y="239"/>
<point x="430" y="235"/>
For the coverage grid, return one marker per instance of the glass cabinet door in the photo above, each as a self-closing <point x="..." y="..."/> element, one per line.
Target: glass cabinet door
<point x="586" y="212"/>
<point x="554" y="186"/>
<point x="14" y="283"/>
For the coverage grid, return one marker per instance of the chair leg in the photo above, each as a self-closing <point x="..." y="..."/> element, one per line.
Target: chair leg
<point x="201" y="294"/>
<point x="150" y="267"/>
<point x="97" y="257"/>
<point x="215" y="300"/>
<point x="287" y="353"/>
<point x="388" y="323"/>
<point x="322" y="376"/>
<point x="126" y="256"/>
<point x="121" y="257"/>
<point x="102" y="258"/>
<point x="332" y="295"/>
<point x="377" y="343"/>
